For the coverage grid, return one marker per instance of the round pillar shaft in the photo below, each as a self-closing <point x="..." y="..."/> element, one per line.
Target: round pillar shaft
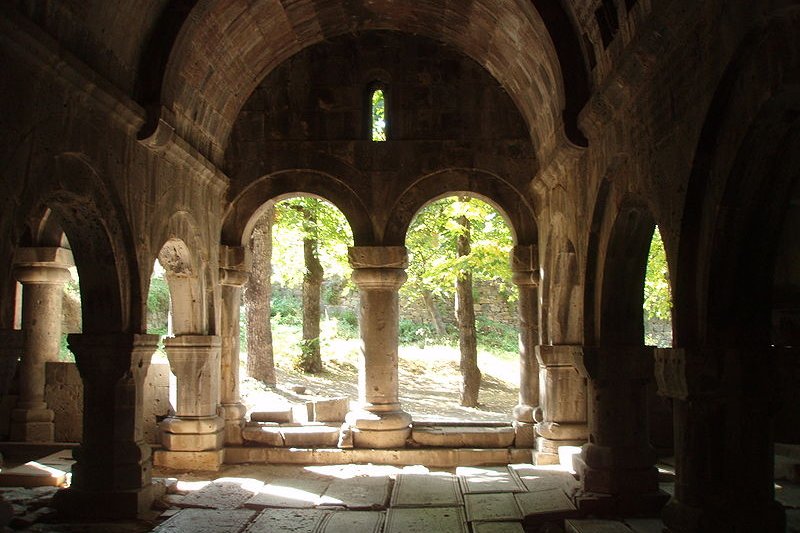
<point x="233" y="410"/>
<point x="379" y="272"/>
<point x="42" y="273"/>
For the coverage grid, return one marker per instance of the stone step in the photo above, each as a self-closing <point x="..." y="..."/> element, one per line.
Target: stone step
<point x="432" y="457"/>
<point x="310" y="435"/>
<point x="281" y="415"/>
<point x="463" y="436"/>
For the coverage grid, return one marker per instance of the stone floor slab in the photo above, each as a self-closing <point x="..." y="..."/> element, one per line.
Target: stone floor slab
<point x="545" y="505"/>
<point x="354" y="522"/>
<point x="294" y="493"/>
<point x="223" y="493"/>
<point x="487" y="507"/>
<point x="33" y="474"/>
<point x="426" y="520"/>
<point x="357" y="493"/>
<point x="477" y="479"/>
<point x="206" y="521"/>
<point x="288" y="521"/>
<point x="497" y="527"/>
<point x="595" y="526"/>
<point x="538" y="478"/>
<point x="425" y="490"/>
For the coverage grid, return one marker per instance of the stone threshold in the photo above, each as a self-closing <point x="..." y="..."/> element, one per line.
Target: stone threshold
<point x="433" y="457"/>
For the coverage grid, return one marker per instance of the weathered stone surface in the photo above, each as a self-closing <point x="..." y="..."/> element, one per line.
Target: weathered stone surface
<point x="296" y="493"/>
<point x="266" y="435"/>
<point x="209" y="460"/>
<point x="545" y="505"/>
<point x="492" y="507"/>
<point x="32" y="474"/>
<point x="497" y="527"/>
<point x="288" y="521"/>
<point x="354" y="522"/>
<point x="464" y="436"/>
<point x="595" y="526"/>
<point x="489" y="479"/>
<point x="331" y="409"/>
<point x="425" y="520"/>
<point x="421" y="490"/>
<point x="280" y="416"/>
<point x="536" y="479"/>
<point x="310" y="436"/>
<point x="223" y="493"/>
<point x="357" y="493"/>
<point x="206" y="521"/>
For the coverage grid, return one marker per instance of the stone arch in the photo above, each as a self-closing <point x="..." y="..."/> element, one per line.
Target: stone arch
<point x="75" y="200"/>
<point x="186" y="275"/>
<point x="622" y="229"/>
<point x="509" y="201"/>
<point x="245" y="209"/>
<point x="276" y="31"/>
<point x="738" y="190"/>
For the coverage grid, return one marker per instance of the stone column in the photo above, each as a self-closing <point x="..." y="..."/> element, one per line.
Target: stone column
<point x="43" y="273"/>
<point x="194" y="436"/>
<point x="525" y="268"/>
<point x="379" y="422"/>
<point x="618" y="463"/>
<point x="233" y="276"/>
<point x="724" y="402"/>
<point x="111" y="477"/>
<point x="562" y="418"/>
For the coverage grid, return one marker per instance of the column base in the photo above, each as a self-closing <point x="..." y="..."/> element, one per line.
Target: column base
<point x="233" y="415"/>
<point x="32" y="425"/>
<point x="193" y="434"/>
<point x="682" y="518"/>
<point x="547" y="450"/>
<point x="206" y="460"/>
<point x="524" y="435"/>
<point x="370" y="429"/>
<point x="79" y="503"/>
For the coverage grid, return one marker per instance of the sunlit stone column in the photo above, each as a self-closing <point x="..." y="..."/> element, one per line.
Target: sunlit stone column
<point x="617" y="465"/>
<point x="525" y="268"/>
<point x="379" y="272"/>
<point x="562" y="418"/>
<point x="111" y="476"/>
<point x="43" y="273"/>
<point x="233" y="275"/>
<point x="195" y="434"/>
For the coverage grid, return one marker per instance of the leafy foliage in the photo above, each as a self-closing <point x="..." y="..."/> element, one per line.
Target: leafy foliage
<point x="331" y="230"/>
<point x="431" y="241"/>
<point x="378" y="105"/>
<point x="657" y="297"/>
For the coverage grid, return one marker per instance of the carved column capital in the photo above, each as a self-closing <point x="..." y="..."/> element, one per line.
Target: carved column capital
<point x="235" y="263"/>
<point x="378" y="267"/>
<point x="525" y="265"/>
<point x="110" y="356"/>
<point x="43" y="265"/>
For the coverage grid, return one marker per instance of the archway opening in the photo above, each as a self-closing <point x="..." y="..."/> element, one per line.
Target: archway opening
<point x="299" y="308"/>
<point x="458" y="325"/>
<point x="657" y="296"/>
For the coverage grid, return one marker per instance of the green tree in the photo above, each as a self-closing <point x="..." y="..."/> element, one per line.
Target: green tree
<point x="325" y="235"/>
<point x="657" y="295"/>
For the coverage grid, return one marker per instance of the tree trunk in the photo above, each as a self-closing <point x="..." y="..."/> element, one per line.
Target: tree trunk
<point x="433" y="312"/>
<point x="311" y="360"/>
<point x="465" y="313"/>
<point x="258" y="305"/>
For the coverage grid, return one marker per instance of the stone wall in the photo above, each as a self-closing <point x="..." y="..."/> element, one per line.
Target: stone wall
<point x="64" y="395"/>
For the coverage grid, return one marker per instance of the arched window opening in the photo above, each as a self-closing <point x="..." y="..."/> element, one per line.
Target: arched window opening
<point x="459" y="314"/>
<point x="378" y="118"/>
<point x="657" y="296"/>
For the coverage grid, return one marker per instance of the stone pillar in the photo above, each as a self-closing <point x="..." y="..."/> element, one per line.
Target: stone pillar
<point x="561" y="419"/>
<point x="525" y="268"/>
<point x="42" y="273"/>
<point x="194" y="436"/>
<point x="233" y="276"/>
<point x="111" y="476"/>
<point x="379" y="422"/>
<point x="11" y="351"/>
<point x="618" y="463"/>
<point x="724" y="404"/>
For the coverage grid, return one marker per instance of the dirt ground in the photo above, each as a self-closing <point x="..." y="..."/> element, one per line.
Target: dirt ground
<point x="429" y="385"/>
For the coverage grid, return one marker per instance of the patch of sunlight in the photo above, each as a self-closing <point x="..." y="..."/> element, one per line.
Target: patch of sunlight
<point x="191" y="486"/>
<point x="290" y="496"/>
<point x="353" y="471"/>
